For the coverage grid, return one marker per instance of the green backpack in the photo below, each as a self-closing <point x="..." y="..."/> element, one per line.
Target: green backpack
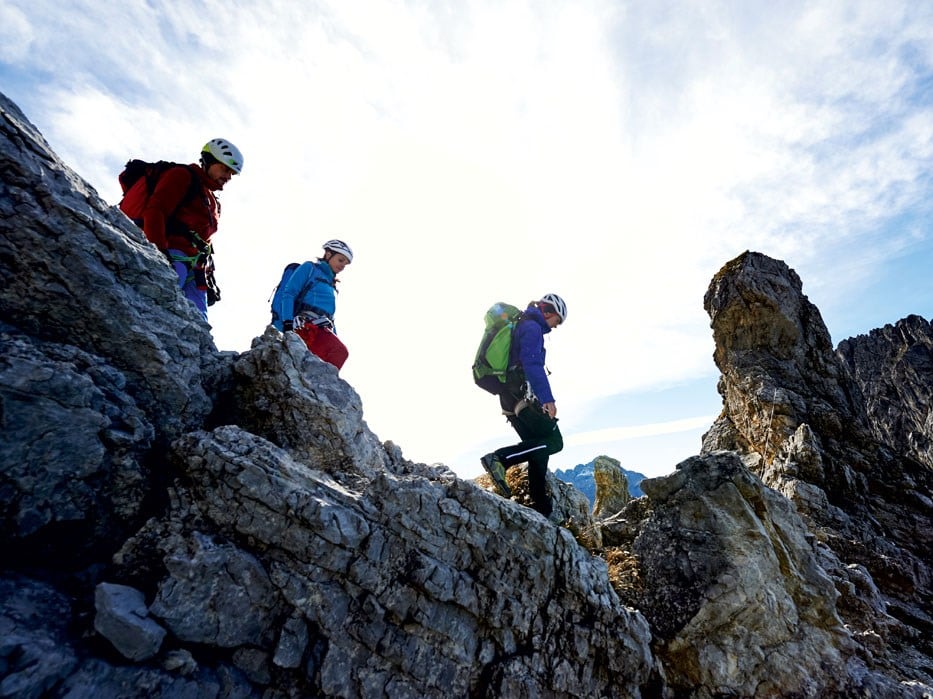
<point x="492" y="357"/>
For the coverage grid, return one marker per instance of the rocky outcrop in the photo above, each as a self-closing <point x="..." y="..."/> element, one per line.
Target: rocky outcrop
<point x="75" y="449"/>
<point x="803" y="424"/>
<point x="733" y="588"/>
<point x="76" y="272"/>
<point x="185" y="522"/>
<point x="611" y="487"/>
<point x="280" y="558"/>
<point x="892" y="367"/>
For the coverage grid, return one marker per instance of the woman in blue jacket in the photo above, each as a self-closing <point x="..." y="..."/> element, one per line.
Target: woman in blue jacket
<point x="528" y="403"/>
<point x="309" y="299"/>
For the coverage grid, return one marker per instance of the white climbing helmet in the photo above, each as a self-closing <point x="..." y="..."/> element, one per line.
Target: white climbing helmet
<point x="224" y="152"/>
<point x="558" y="304"/>
<point x="341" y="247"/>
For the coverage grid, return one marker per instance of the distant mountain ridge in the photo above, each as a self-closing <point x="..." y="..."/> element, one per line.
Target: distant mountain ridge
<point x="581" y="477"/>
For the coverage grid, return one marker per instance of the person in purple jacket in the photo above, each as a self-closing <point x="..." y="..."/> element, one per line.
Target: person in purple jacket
<point x="528" y="403"/>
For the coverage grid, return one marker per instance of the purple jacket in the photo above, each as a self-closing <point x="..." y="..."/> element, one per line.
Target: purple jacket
<point x="528" y="351"/>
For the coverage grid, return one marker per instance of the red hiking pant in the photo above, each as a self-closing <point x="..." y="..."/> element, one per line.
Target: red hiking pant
<point x="324" y="344"/>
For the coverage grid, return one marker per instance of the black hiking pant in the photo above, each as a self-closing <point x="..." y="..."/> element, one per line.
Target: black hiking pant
<point x="540" y="438"/>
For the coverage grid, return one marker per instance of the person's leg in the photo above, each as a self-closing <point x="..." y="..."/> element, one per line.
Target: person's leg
<point x="197" y="296"/>
<point x="308" y="333"/>
<point x="539" y="435"/>
<point x="537" y="484"/>
<point x="187" y="282"/>
<point x="540" y="438"/>
<point x="324" y="344"/>
<point x="329" y="348"/>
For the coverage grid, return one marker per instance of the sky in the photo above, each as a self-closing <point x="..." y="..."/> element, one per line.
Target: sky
<point x="615" y="153"/>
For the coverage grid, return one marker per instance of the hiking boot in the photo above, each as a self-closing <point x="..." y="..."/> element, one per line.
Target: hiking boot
<point x="496" y="470"/>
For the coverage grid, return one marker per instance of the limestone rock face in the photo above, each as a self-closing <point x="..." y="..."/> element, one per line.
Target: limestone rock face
<point x="823" y="428"/>
<point x="188" y="522"/>
<point x="892" y="367"/>
<point x="123" y="619"/>
<point x="748" y="573"/>
<point x="611" y="487"/>
<point x="35" y="649"/>
<point x="571" y="508"/>
<point x="73" y="447"/>
<point x="286" y="395"/>
<point x="777" y="362"/>
<point x="76" y="271"/>
<point x="420" y="584"/>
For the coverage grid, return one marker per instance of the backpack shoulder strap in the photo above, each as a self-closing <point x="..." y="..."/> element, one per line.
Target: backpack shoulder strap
<point x="194" y="187"/>
<point x="308" y="283"/>
<point x="516" y="341"/>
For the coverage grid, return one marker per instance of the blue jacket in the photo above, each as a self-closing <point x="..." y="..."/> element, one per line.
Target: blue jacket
<point x="320" y="293"/>
<point x="528" y="352"/>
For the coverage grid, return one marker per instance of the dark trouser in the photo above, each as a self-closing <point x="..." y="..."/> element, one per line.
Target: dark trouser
<point x="540" y="438"/>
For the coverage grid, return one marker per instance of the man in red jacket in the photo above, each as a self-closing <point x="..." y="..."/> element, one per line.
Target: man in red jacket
<point x="180" y="218"/>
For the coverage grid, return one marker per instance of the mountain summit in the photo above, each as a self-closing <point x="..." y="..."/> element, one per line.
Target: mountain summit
<point x="179" y="521"/>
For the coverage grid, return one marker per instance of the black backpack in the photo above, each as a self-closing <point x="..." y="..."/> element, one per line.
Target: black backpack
<point x="135" y="171"/>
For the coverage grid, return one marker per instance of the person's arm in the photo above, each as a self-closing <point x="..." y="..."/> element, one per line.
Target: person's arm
<point x="531" y="355"/>
<point x="165" y="199"/>
<point x="303" y="278"/>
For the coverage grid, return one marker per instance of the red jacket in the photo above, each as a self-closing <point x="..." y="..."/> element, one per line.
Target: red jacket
<point x="165" y="223"/>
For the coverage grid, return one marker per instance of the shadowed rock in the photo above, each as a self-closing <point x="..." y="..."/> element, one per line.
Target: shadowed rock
<point x="76" y="271"/>
<point x="123" y="619"/>
<point x="892" y="367"/>
<point x="73" y="453"/>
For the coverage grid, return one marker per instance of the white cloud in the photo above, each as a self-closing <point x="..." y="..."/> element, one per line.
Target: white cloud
<point x="617" y="434"/>
<point x="16" y="35"/>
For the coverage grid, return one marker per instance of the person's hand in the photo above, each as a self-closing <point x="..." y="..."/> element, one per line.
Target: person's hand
<point x="287" y="326"/>
<point x="550" y="409"/>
